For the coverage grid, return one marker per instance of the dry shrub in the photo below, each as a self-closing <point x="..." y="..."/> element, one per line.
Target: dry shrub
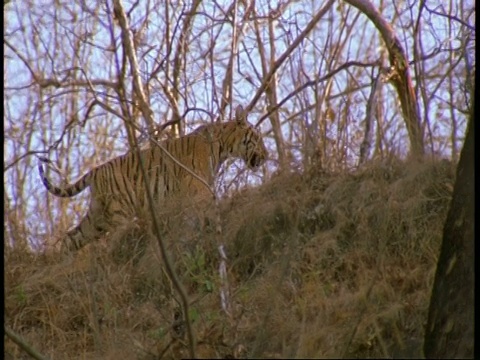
<point x="320" y="265"/>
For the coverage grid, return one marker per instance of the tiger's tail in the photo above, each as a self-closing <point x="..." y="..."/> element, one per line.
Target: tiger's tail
<point x="68" y="190"/>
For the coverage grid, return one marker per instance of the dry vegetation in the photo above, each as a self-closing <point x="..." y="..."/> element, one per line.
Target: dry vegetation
<point x="320" y="265"/>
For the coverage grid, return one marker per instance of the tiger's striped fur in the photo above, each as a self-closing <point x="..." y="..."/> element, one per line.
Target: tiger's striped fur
<point x="118" y="187"/>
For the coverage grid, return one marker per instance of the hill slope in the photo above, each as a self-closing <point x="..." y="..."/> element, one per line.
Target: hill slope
<point x="319" y="265"/>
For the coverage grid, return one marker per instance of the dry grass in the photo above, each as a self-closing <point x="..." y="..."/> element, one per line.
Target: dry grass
<point x="320" y="266"/>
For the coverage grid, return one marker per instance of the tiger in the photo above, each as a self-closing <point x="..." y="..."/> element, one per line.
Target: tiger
<point x="118" y="186"/>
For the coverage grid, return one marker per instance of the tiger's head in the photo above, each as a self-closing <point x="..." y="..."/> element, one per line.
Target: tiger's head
<point x="244" y="141"/>
<point x="237" y="139"/>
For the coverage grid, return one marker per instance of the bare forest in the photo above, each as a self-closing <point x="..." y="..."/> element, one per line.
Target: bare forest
<point x="330" y="250"/>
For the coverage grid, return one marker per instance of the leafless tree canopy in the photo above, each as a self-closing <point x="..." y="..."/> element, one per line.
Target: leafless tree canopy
<point x="329" y="83"/>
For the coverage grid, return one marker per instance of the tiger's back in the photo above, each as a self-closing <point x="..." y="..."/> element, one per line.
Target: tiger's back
<point x="119" y="190"/>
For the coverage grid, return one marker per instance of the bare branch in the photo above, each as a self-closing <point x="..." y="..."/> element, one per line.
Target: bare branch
<point x="130" y="50"/>
<point x="313" y="83"/>
<point x="450" y="17"/>
<point x="286" y="54"/>
<point x="28" y="153"/>
<point x="369" y="117"/>
<point x="180" y="53"/>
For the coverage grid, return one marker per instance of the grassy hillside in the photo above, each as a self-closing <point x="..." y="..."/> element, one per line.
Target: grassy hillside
<point x="320" y="265"/>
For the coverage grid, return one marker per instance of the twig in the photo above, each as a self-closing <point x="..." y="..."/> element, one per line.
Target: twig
<point x="312" y="83"/>
<point x="17" y="339"/>
<point x="286" y="54"/>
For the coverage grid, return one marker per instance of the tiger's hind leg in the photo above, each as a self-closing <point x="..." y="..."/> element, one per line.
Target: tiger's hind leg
<point x="93" y="225"/>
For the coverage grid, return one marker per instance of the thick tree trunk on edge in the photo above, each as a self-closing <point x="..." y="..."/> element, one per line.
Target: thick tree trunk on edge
<point x="449" y="332"/>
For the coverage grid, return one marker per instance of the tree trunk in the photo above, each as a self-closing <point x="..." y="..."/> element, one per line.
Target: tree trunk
<point x="449" y="332"/>
<point x="399" y="75"/>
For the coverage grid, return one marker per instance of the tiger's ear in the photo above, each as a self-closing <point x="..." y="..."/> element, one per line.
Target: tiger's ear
<point x="240" y="115"/>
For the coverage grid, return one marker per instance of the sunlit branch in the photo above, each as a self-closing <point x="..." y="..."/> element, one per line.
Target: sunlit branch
<point x="449" y="17"/>
<point x="313" y="83"/>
